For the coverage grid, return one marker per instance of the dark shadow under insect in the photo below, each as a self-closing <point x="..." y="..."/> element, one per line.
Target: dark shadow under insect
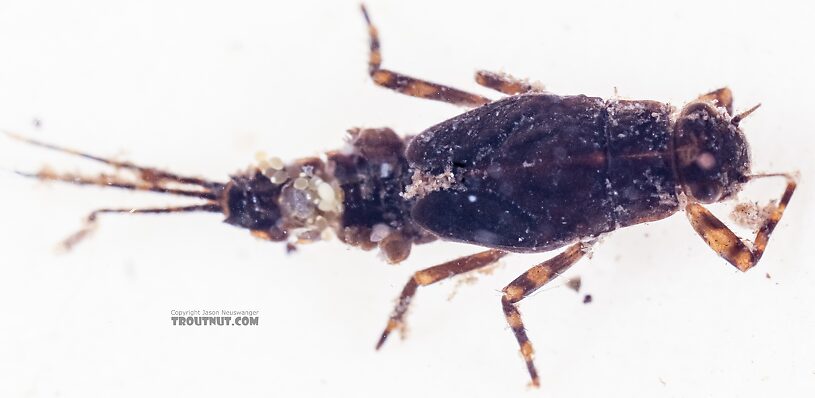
<point x="531" y="172"/>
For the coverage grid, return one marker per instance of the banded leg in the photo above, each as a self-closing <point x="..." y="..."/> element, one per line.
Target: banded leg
<point x="732" y="248"/>
<point x="722" y="97"/>
<point x="505" y="83"/>
<point x="430" y="276"/>
<point x="409" y="85"/>
<point x="90" y="220"/>
<point x="148" y="174"/>
<point x="527" y="283"/>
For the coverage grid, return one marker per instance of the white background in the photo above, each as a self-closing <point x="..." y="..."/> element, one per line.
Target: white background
<point x="199" y="88"/>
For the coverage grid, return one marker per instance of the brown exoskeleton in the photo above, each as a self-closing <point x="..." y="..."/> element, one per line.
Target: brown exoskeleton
<point x="531" y="172"/>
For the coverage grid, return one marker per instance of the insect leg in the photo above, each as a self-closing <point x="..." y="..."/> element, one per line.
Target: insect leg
<point x="90" y="220"/>
<point x="145" y="173"/>
<point x="527" y="283"/>
<point x="432" y="275"/>
<point x="505" y="83"/>
<point x="409" y="85"/>
<point x="722" y="97"/>
<point x="732" y="248"/>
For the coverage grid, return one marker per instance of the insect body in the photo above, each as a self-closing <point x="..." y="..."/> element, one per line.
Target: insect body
<point x="532" y="172"/>
<point x="535" y="172"/>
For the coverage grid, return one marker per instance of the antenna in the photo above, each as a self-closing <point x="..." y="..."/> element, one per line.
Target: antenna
<point x="738" y="118"/>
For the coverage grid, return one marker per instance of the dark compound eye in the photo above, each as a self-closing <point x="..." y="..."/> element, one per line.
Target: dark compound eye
<point x="706" y="193"/>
